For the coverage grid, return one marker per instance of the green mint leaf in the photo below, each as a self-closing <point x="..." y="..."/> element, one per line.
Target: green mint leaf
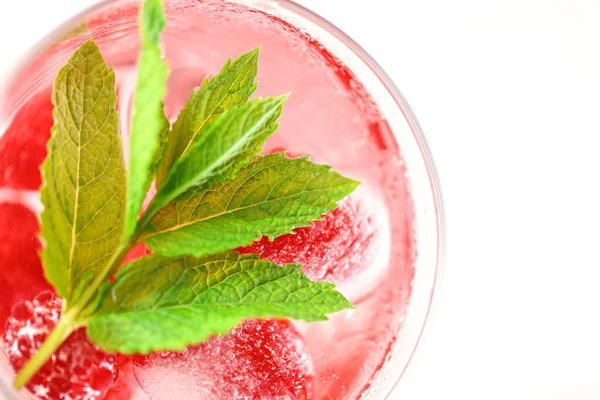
<point x="270" y="196"/>
<point x="147" y="120"/>
<point x="163" y="144"/>
<point x="84" y="174"/>
<point x="157" y="303"/>
<point x="221" y="149"/>
<point x="233" y="86"/>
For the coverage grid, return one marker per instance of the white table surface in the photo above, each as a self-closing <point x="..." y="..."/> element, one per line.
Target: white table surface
<point x="508" y="93"/>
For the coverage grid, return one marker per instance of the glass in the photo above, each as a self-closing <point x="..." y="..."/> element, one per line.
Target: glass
<point x="343" y="111"/>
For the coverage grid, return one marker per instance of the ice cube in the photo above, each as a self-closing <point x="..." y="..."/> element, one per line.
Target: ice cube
<point x="256" y="360"/>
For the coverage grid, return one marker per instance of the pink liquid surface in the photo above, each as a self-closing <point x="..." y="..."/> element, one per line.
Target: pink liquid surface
<point x="329" y="116"/>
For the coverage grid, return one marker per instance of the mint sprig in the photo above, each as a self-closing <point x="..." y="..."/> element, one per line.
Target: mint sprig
<point x="214" y="194"/>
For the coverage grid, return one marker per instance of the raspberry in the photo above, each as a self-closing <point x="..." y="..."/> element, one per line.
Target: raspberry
<point x="334" y="249"/>
<point x="78" y="370"/>
<point x="21" y="274"/>
<point x="23" y="145"/>
<point x="256" y="360"/>
<point x="348" y="247"/>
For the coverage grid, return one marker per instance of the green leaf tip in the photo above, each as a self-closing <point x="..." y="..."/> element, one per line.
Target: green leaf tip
<point x="152" y="20"/>
<point x="231" y="87"/>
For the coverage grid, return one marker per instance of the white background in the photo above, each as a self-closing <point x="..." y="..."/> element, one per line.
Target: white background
<point x="508" y="93"/>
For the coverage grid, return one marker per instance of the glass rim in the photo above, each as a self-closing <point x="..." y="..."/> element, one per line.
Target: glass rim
<point x="49" y="38"/>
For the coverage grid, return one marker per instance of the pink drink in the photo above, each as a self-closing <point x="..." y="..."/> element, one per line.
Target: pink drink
<point x="383" y="252"/>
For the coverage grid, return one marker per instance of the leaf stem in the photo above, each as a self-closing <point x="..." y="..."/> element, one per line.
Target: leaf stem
<point x="115" y="259"/>
<point x="61" y="332"/>
<point x="70" y="319"/>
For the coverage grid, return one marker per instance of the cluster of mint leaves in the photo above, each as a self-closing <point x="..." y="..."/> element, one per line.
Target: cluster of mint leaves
<point x="214" y="193"/>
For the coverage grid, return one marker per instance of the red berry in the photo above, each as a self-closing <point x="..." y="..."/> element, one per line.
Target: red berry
<point x="256" y="360"/>
<point x="23" y="145"/>
<point x="340" y="246"/>
<point x="78" y="370"/>
<point x="21" y="274"/>
<point x="348" y="247"/>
